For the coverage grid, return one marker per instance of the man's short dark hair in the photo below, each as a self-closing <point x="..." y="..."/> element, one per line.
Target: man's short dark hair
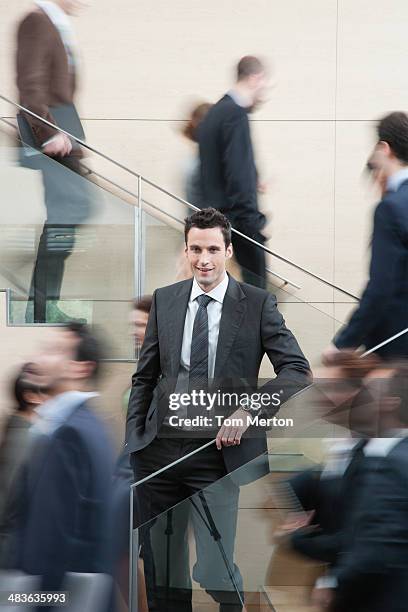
<point x="89" y="347"/>
<point x="144" y="303"/>
<point x="393" y="129"/>
<point x="249" y="65"/>
<point x="208" y="218"/>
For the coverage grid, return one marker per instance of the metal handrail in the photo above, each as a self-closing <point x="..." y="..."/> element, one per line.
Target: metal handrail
<point x="175" y="197"/>
<point x="285" y="280"/>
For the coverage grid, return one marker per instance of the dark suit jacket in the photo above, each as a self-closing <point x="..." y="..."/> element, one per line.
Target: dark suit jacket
<point x="43" y="76"/>
<point x="228" y="172"/>
<point x="65" y="519"/>
<point x="373" y="570"/>
<point x="250" y="326"/>
<point x="383" y="309"/>
<point x="323" y="495"/>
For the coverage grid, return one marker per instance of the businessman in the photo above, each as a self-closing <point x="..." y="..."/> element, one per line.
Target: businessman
<point x="46" y="64"/>
<point x="371" y="573"/>
<point x="228" y="173"/>
<point x="63" y="503"/>
<point x="208" y="332"/>
<point x="382" y="311"/>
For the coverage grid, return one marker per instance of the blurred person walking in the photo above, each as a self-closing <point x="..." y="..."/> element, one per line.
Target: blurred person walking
<point x="64" y="524"/>
<point x="383" y="308"/>
<point x="192" y="176"/>
<point x="229" y="178"/>
<point x="138" y="318"/>
<point x="371" y="573"/>
<point x="315" y="529"/>
<point x="14" y="445"/>
<point x="193" y="191"/>
<point x="46" y="63"/>
<point x="122" y="480"/>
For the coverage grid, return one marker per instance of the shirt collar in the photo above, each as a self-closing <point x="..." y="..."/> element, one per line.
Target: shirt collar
<point x="55" y="13"/>
<point x="381" y="447"/>
<point x="217" y="294"/>
<point x="395" y="181"/>
<point x="239" y="98"/>
<point x="53" y="413"/>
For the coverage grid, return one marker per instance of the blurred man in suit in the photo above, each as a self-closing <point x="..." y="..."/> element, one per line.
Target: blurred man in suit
<point x="228" y="173"/>
<point x="343" y="396"/>
<point x="13" y="447"/>
<point x="64" y="523"/>
<point x="371" y="573"/>
<point x="46" y="80"/>
<point x="383" y="311"/>
<point x="209" y="331"/>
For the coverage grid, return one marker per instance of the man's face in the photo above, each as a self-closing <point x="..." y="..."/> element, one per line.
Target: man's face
<point x="56" y="364"/>
<point x="138" y="321"/>
<point x="259" y="85"/>
<point x="207" y="255"/>
<point x="379" y="160"/>
<point x="71" y="7"/>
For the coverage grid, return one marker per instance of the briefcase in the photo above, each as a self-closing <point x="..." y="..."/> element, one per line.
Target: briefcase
<point x="66" y="117"/>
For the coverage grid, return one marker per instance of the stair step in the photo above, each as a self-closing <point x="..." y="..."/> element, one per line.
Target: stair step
<point x="289" y="598"/>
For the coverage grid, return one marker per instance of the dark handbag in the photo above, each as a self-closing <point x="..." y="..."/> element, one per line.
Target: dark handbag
<point x="66" y="117"/>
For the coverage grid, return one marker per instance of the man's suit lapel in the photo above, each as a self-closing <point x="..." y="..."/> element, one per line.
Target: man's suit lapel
<point x="176" y="316"/>
<point x="233" y="311"/>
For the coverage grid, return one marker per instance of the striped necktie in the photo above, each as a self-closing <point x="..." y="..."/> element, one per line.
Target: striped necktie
<point x="198" y="375"/>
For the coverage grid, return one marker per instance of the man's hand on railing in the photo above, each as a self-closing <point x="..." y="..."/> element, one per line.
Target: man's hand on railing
<point x="230" y="435"/>
<point x="59" y="145"/>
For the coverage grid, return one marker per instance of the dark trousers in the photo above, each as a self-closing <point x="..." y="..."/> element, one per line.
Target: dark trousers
<point x="67" y="201"/>
<point x="56" y="244"/>
<point x="214" y="504"/>
<point x="251" y="258"/>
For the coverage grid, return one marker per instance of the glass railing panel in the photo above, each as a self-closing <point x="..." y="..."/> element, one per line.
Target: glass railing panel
<point x="301" y="284"/>
<point x="218" y="544"/>
<point x="307" y="303"/>
<point x="83" y="259"/>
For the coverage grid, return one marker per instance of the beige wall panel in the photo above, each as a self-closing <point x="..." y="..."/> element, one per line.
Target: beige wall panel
<point x="356" y="197"/>
<point x="146" y="59"/>
<point x="297" y="158"/>
<point x="10" y="13"/>
<point x="372" y="44"/>
<point x="156" y="63"/>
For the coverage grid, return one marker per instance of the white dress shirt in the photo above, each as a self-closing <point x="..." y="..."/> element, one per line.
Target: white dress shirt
<point x="338" y="456"/>
<point x="381" y="447"/>
<point x="214" y="310"/>
<point x="53" y="413"/>
<point x="61" y="21"/>
<point x="395" y="181"/>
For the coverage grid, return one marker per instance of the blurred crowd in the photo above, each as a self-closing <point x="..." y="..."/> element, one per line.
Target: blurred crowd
<point x="350" y="512"/>
<point x="64" y="503"/>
